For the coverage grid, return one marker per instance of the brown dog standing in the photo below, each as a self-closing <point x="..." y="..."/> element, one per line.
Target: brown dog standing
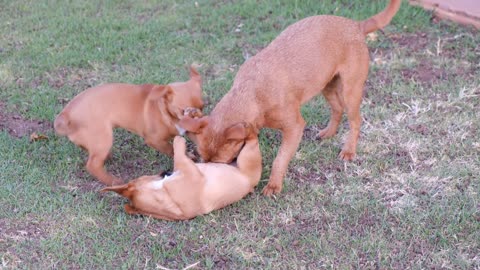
<point x="194" y="188"/>
<point x="319" y="54"/>
<point x="151" y="111"/>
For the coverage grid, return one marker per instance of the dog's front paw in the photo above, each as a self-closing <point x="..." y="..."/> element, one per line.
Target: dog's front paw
<point x="271" y="189"/>
<point x="179" y="144"/>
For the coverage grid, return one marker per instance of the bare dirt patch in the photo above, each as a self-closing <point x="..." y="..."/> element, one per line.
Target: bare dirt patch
<point x="29" y="229"/>
<point x="13" y="233"/>
<point x="428" y="50"/>
<point x="18" y="127"/>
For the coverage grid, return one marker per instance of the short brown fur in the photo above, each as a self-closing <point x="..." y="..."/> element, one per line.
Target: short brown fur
<point x="194" y="188"/>
<point x="320" y="54"/>
<point x="148" y="110"/>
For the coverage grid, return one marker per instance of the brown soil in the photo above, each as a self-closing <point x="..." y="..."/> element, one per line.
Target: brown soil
<point x="18" y="127"/>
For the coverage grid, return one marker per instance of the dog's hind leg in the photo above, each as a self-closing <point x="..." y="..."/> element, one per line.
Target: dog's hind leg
<point x="352" y="108"/>
<point x="332" y="93"/>
<point x="352" y="96"/>
<point x="292" y="131"/>
<point x="353" y="77"/>
<point x="98" y="152"/>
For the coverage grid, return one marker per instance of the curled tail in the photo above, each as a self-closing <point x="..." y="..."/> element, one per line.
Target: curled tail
<point x="62" y="124"/>
<point x="381" y="19"/>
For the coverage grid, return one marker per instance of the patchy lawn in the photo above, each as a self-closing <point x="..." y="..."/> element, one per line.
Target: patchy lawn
<point x="410" y="199"/>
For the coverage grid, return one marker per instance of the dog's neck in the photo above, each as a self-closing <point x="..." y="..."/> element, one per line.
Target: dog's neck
<point x="230" y="109"/>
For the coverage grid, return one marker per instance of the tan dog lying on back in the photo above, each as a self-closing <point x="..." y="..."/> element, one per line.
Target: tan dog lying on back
<point x="194" y="188"/>
<point x="151" y="111"/>
<point x="320" y="54"/>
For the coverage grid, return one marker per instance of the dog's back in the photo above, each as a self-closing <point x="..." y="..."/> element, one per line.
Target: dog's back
<point x="113" y="102"/>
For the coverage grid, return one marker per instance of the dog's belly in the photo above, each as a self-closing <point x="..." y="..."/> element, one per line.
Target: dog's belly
<point x="224" y="185"/>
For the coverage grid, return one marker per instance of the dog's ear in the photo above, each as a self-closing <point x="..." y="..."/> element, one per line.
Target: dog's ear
<point x="126" y="190"/>
<point x="237" y="132"/>
<point x="193" y="125"/>
<point x="194" y="75"/>
<point x="161" y="91"/>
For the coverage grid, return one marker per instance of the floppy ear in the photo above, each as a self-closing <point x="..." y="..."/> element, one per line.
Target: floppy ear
<point x="123" y="190"/>
<point x="194" y="125"/>
<point x="194" y="75"/>
<point x="161" y="91"/>
<point x="239" y="131"/>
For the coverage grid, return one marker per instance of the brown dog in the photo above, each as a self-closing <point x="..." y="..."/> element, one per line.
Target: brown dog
<point x="151" y="111"/>
<point x="319" y="54"/>
<point x="194" y="188"/>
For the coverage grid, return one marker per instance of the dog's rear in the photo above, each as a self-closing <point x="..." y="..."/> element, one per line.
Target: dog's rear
<point x="62" y="124"/>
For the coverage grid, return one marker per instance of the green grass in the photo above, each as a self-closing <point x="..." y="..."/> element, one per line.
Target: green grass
<point x="409" y="201"/>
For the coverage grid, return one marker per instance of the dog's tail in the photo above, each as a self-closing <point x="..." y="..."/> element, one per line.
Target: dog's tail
<point x="381" y="19"/>
<point x="62" y="124"/>
<point x="194" y="75"/>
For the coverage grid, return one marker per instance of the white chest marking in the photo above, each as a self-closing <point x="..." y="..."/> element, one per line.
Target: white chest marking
<point x="158" y="184"/>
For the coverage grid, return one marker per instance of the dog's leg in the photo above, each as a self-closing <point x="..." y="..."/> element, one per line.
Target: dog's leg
<point x="181" y="162"/>
<point x="161" y="145"/>
<point x="186" y="186"/>
<point x="331" y="94"/>
<point x="98" y="152"/>
<point x="292" y="132"/>
<point x="95" y="166"/>
<point x="353" y="100"/>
